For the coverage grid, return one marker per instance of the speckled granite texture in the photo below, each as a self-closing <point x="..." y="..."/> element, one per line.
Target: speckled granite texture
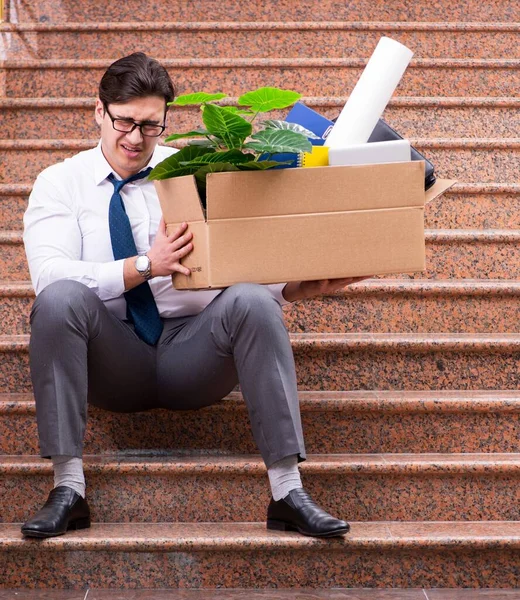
<point x="229" y="489"/>
<point x="376" y="305"/>
<point x="314" y="76"/>
<point x="265" y="10"/>
<point x="333" y="422"/>
<point x="363" y="362"/>
<point x="246" y="555"/>
<point x="268" y="39"/>
<point x="355" y="422"/>
<point x="69" y="118"/>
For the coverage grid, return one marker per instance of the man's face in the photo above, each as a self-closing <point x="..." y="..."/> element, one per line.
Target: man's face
<point x="128" y="153"/>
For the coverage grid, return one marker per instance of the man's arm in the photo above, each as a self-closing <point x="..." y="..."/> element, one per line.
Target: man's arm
<point x="301" y="290"/>
<point x="53" y="243"/>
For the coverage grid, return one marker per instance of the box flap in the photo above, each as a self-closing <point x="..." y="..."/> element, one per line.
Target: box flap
<point x="307" y="191"/>
<point x="438" y="188"/>
<point x="179" y="199"/>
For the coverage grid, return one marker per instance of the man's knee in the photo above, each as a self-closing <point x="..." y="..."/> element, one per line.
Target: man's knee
<point x="61" y="300"/>
<point x="251" y="299"/>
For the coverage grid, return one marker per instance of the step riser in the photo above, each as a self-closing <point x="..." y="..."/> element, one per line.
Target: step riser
<point x="356" y="313"/>
<point x="339" y="432"/>
<point x="326" y="565"/>
<point x="269" y="10"/>
<point x="206" y="497"/>
<point x="462" y="260"/>
<point x="266" y="43"/>
<point x="12" y="209"/>
<point x="388" y="312"/>
<point x="467" y="165"/>
<point x="450" y="211"/>
<point x="413" y="122"/>
<point x="407" y="371"/>
<point x="323" y="80"/>
<point x="473" y="211"/>
<point x="360" y="370"/>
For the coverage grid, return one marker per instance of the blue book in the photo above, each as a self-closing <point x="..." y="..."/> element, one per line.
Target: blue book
<point x="311" y="120"/>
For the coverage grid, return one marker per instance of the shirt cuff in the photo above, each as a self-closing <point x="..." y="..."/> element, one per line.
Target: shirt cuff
<point x="111" y="279"/>
<point x="276" y="291"/>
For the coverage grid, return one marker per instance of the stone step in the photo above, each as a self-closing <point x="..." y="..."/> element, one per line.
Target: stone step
<point x="240" y="555"/>
<point x="369" y="422"/>
<point x="465" y="206"/>
<point x="416" y="117"/>
<point x="362" y="361"/>
<point x="467" y="160"/>
<point x="265" y="10"/>
<point x="312" y="76"/>
<point x="369" y="487"/>
<point x="278" y="594"/>
<point x="375" y="305"/>
<point x="262" y="38"/>
<point x="450" y="254"/>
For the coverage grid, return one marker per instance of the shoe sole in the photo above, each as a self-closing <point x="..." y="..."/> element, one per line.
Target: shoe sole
<point x="74" y="525"/>
<point x="283" y="526"/>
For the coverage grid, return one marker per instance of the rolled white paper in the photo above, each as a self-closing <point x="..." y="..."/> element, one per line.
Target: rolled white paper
<point x="372" y="93"/>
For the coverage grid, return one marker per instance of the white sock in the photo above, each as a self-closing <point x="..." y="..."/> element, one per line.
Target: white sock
<point x="284" y="476"/>
<point x="68" y="470"/>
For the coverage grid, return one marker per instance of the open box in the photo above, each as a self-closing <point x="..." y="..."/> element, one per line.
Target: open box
<point x="301" y="224"/>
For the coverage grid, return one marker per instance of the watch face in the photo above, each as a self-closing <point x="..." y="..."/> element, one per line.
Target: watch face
<point x="142" y="263"/>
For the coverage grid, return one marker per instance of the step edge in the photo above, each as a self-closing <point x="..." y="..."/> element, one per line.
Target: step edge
<point x="254" y="536"/>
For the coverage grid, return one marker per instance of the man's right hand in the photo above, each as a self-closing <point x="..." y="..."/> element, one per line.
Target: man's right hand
<point x="168" y="250"/>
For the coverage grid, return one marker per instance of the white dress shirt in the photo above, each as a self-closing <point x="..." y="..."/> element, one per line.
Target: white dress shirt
<point x="66" y="233"/>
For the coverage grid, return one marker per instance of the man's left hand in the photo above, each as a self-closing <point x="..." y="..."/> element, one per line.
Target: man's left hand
<point x="300" y="290"/>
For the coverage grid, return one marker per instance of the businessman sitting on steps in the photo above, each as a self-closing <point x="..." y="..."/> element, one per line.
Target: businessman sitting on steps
<point x="108" y="328"/>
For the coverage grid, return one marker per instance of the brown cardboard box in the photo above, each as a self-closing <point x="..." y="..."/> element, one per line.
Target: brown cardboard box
<point x="301" y="224"/>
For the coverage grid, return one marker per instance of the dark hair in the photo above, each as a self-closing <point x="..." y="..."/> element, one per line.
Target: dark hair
<point x="135" y="76"/>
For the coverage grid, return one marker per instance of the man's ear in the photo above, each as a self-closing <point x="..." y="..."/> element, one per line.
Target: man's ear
<point x="99" y="111"/>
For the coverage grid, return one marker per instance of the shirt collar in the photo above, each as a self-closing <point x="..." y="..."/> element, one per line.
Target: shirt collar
<point x="102" y="169"/>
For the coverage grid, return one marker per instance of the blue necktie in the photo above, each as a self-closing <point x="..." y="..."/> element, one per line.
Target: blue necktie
<point x="141" y="309"/>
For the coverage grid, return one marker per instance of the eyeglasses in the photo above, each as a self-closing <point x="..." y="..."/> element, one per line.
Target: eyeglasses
<point x="128" y="125"/>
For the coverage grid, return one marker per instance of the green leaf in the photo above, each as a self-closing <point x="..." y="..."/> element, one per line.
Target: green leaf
<point x="189" y="134"/>
<point x="274" y="124"/>
<point x="273" y="141"/>
<point x="171" y="166"/>
<point x="233" y="156"/>
<point x="265" y="99"/>
<point x="203" y="143"/>
<point x="197" y="98"/>
<point x="262" y="165"/>
<point x="240" y="111"/>
<point x="225" y="124"/>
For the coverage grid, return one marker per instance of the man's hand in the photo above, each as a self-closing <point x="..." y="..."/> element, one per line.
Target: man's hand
<point x="168" y="250"/>
<point x="300" y="290"/>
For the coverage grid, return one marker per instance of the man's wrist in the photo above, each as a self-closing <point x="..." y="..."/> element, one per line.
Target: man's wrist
<point x="292" y="291"/>
<point x="143" y="266"/>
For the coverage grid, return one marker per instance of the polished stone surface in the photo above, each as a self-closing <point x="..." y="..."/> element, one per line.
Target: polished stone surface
<point x="268" y="10"/>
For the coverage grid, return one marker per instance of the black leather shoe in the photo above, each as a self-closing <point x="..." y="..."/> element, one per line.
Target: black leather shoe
<point x="298" y="512"/>
<point x="65" y="509"/>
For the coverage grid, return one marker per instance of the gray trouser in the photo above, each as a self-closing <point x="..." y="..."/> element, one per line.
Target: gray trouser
<point x="81" y="353"/>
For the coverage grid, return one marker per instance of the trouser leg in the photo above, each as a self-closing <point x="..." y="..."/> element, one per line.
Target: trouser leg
<point x="79" y="351"/>
<point x="241" y="337"/>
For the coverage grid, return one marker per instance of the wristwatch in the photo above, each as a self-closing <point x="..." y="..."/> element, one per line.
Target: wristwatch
<point x="143" y="266"/>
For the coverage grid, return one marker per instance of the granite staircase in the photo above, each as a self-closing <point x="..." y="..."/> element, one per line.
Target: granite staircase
<point x="409" y="384"/>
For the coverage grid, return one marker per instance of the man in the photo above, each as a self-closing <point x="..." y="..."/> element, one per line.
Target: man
<point x="108" y="328"/>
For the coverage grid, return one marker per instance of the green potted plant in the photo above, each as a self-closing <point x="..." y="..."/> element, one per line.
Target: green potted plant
<point x="228" y="141"/>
